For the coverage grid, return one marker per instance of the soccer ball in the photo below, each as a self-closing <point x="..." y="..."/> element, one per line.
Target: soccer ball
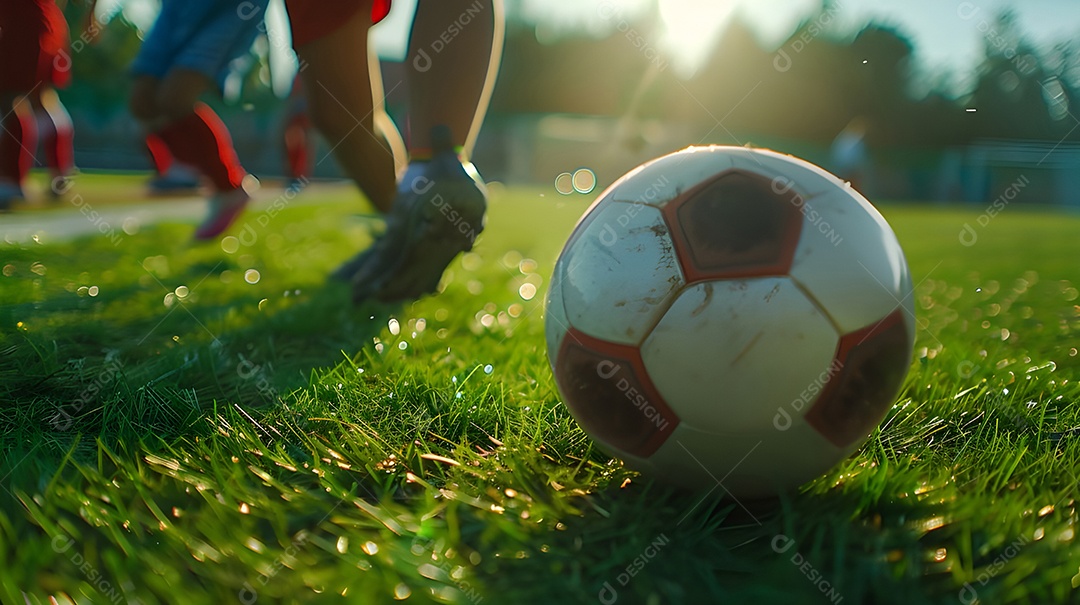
<point x="730" y="317"/>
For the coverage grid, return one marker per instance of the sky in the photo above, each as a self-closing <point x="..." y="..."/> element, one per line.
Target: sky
<point x="948" y="34"/>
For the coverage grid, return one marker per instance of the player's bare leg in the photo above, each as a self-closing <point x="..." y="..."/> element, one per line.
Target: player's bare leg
<point x="450" y="82"/>
<point x="345" y="99"/>
<point x="17" y="140"/>
<point x="57" y="138"/>
<point x="441" y="201"/>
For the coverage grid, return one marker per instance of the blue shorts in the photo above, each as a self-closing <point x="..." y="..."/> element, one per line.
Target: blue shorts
<point x="205" y="36"/>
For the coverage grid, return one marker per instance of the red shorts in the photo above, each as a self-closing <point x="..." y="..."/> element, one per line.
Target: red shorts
<point x="34" y="44"/>
<point x="313" y="19"/>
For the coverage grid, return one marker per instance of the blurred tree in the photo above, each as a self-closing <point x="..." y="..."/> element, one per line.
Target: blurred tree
<point x="100" y="55"/>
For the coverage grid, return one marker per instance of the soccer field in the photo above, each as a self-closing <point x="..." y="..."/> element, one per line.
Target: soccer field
<point x="212" y="423"/>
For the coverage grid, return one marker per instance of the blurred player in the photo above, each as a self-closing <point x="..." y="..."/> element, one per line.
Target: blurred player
<point x="189" y="51"/>
<point x="57" y="137"/>
<point x="170" y="177"/>
<point x="437" y="208"/>
<point x="297" y="137"/>
<point x="33" y="34"/>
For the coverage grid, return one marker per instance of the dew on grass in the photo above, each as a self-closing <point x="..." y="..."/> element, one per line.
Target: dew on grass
<point x="379" y="347"/>
<point x="403" y="345"/>
<point x="244" y="508"/>
<point x="251" y="276"/>
<point x="421" y="325"/>
<point x="441" y="315"/>
<point x="487" y="320"/>
<point x="263" y="303"/>
<point x="564" y="183"/>
<point x="515" y="310"/>
<point x="359" y="370"/>
<point x="453" y="379"/>
<point x="230" y="244"/>
<point x="512" y="259"/>
<point x="527" y="265"/>
<point x="402" y="592"/>
<point x="182" y="291"/>
<point x="475" y="287"/>
<point x="9" y="270"/>
<point x="226" y="277"/>
<point x="442" y="333"/>
<point x="92" y="290"/>
<point x="527" y="291"/>
<point x="343" y="544"/>
<point x="472" y="261"/>
<point x="130" y="225"/>
<point x="395" y="327"/>
<point x="488" y="369"/>
<point x="37" y="268"/>
<point x="170" y="298"/>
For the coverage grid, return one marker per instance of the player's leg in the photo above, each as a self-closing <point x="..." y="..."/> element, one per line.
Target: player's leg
<point x="57" y="137"/>
<point x="174" y="74"/>
<point x="17" y="141"/>
<point x="450" y="83"/>
<point x="441" y="199"/>
<point x="338" y="83"/>
<point x="297" y="147"/>
<point x="25" y="42"/>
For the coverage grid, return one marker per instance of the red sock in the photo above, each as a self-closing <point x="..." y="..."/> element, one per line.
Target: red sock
<point x="58" y="138"/>
<point x="201" y="140"/>
<point x="15" y="145"/>
<point x="159" y="153"/>
<point x="297" y="146"/>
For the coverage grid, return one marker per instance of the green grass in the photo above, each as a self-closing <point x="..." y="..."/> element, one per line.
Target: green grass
<point x="267" y="442"/>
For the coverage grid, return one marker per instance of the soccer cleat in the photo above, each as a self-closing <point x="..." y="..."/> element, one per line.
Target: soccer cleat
<point x="224" y="208"/>
<point x="10" y="193"/>
<point x="438" y="212"/>
<point x="177" y="180"/>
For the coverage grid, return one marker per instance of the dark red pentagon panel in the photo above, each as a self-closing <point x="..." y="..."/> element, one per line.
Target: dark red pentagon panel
<point x="734" y="225"/>
<point x="870" y="367"/>
<point x="611" y="395"/>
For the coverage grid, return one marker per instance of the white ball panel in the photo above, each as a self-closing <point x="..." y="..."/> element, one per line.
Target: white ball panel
<point x="849" y="260"/>
<point x="747" y="464"/>
<point x="620" y="274"/>
<point x="728" y="354"/>
<point x="663" y="179"/>
<point x="555" y="322"/>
